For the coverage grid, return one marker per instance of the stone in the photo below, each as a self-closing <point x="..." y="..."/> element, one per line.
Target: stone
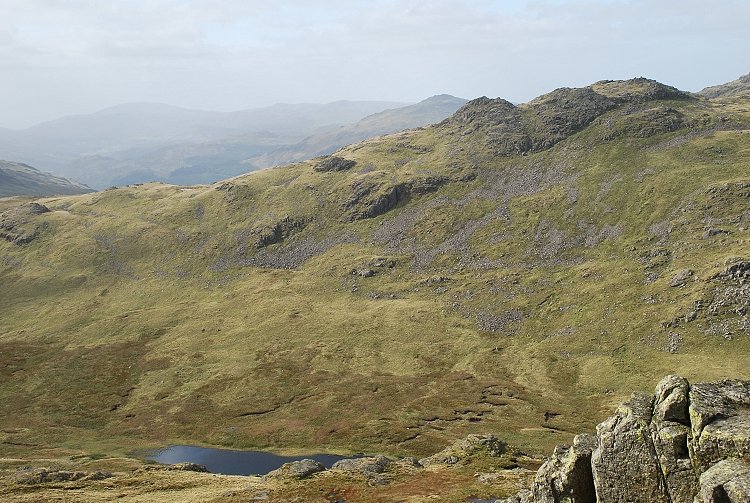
<point x="524" y="496"/>
<point x="364" y="273"/>
<point x="685" y="444"/>
<point x="296" y="470"/>
<point x="188" y="467"/>
<point x="671" y="445"/>
<point x="465" y="448"/>
<point x="720" y="422"/>
<point x="363" y="466"/>
<point x="567" y="475"/>
<point x="681" y="277"/>
<point x="670" y="433"/>
<point x="33" y="476"/>
<point x="671" y="400"/>
<point x="36" y="209"/>
<point x="726" y="482"/>
<point x="625" y="464"/>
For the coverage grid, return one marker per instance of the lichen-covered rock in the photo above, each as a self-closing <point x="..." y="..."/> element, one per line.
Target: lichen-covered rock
<point x="685" y="444"/>
<point x="625" y="465"/>
<point x="363" y="466"/>
<point x="671" y="400"/>
<point x="567" y="476"/>
<point x="670" y="441"/>
<point x="670" y="434"/>
<point x="720" y="421"/>
<point x="726" y="482"/>
<point x="296" y="470"/>
<point x="465" y="448"/>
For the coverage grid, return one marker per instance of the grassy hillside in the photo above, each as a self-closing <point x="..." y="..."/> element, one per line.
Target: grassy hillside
<point x="509" y="270"/>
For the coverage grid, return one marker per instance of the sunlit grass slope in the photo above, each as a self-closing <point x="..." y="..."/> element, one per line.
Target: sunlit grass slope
<point x="508" y="271"/>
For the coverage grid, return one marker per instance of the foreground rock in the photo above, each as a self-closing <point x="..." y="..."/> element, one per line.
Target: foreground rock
<point x="684" y="444"/>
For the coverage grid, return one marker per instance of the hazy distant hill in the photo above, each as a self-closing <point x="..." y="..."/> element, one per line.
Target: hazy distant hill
<point x="733" y="88"/>
<point x="53" y="145"/>
<point x="429" y="111"/>
<point x="17" y="179"/>
<point x="191" y="161"/>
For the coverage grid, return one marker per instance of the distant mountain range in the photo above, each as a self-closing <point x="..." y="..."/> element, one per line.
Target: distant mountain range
<point x="143" y="142"/>
<point x="20" y="179"/>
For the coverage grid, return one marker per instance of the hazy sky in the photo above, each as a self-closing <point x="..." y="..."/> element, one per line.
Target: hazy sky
<point x="60" y="57"/>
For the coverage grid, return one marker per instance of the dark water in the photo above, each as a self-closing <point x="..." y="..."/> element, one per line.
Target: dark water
<point x="231" y="462"/>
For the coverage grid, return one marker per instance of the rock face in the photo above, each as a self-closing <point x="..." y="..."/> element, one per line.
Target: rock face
<point x="684" y="444"/>
<point x="335" y="163"/>
<point x="16" y="223"/>
<point x="720" y="420"/>
<point x="625" y="465"/>
<point x="726" y="481"/>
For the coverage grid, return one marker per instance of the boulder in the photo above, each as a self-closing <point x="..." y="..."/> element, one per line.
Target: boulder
<point x="567" y="476"/>
<point x="363" y="466"/>
<point x="465" y="448"/>
<point x="671" y="400"/>
<point x="685" y="444"/>
<point x="720" y="421"/>
<point x="625" y="464"/>
<point x="726" y="482"/>
<point x="670" y="433"/>
<point x="296" y="470"/>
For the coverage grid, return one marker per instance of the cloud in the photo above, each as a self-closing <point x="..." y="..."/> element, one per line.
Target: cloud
<point x="79" y="55"/>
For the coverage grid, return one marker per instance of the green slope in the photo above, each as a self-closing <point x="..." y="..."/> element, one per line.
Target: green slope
<point x="507" y="270"/>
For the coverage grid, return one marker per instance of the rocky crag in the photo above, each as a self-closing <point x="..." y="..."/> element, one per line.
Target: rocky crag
<point x="685" y="444"/>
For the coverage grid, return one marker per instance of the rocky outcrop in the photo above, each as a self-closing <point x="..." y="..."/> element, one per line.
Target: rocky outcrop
<point x="371" y="197"/>
<point x="371" y="468"/>
<point x="296" y="470"/>
<point x="720" y="422"/>
<point x="33" y="476"/>
<point x="278" y="231"/>
<point x="625" y="465"/>
<point x="17" y="227"/>
<point x="334" y="163"/>
<point x="566" y="476"/>
<point x="684" y="444"/>
<point x="555" y="116"/>
<point x="726" y="481"/>
<point x="465" y="448"/>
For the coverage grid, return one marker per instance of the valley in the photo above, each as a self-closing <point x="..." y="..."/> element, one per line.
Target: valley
<point x="514" y="269"/>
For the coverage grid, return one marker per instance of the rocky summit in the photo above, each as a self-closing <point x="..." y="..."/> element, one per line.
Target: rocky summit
<point x="683" y="444"/>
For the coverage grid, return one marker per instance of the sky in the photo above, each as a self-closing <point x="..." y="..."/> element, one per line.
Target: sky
<point x="62" y="57"/>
